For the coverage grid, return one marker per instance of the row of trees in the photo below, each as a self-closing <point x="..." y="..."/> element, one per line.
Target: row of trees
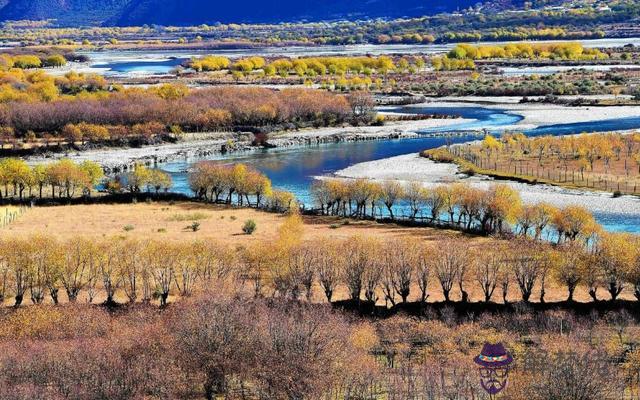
<point x="63" y="178"/>
<point x="308" y="66"/>
<point x="491" y="210"/>
<point x="584" y="151"/>
<point x="392" y="271"/>
<point x="28" y="61"/>
<point x="556" y="51"/>
<point x="66" y="179"/>
<point x="603" y="161"/>
<point x="32" y="86"/>
<point x="216" y="182"/>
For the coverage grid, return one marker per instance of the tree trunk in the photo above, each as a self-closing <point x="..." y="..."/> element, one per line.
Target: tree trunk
<point x="570" y="289"/>
<point x="53" y="292"/>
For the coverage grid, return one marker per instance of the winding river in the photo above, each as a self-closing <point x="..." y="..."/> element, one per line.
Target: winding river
<point x="294" y="169"/>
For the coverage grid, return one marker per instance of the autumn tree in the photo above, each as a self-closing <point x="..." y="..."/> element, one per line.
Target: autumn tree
<point x="448" y="259"/>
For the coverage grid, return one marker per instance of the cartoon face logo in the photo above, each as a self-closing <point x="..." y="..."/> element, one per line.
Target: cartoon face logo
<point x="494" y="364"/>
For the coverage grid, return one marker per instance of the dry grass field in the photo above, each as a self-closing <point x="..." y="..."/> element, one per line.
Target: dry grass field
<point x="173" y="221"/>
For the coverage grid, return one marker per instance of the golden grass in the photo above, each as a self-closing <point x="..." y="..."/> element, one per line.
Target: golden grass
<point x="171" y="222"/>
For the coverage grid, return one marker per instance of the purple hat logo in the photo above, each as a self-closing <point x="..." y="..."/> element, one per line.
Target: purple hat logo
<point x="494" y="364"/>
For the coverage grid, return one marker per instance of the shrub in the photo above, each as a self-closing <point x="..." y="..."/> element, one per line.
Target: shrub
<point x="249" y="226"/>
<point x="188" y="217"/>
<point x="195" y="227"/>
<point x="128" y="228"/>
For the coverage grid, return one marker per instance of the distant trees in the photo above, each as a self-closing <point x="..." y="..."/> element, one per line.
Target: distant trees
<point x="561" y="51"/>
<point x="602" y="161"/>
<point x="64" y="178"/>
<point x="301" y="67"/>
<point x="493" y="210"/>
<point x="142" y="115"/>
<point x="216" y="182"/>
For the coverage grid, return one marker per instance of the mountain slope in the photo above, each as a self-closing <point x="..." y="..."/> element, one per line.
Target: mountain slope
<point x="193" y="12"/>
<point x="66" y="12"/>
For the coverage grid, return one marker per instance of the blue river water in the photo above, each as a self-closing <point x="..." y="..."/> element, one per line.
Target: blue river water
<point x="134" y="67"/>
<point x="293" y="169"/>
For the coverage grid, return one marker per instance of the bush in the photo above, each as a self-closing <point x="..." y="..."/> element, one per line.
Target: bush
<point x="195" y="227"/>
<point x="617" y="193"/>
<point x="128" y="228"/>
<point x="249" y="226"/>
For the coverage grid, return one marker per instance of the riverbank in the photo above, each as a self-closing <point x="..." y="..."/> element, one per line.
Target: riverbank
<point x="413" y="167"/>
<point x="536" y="114"/>
<point x="202" y="145"/>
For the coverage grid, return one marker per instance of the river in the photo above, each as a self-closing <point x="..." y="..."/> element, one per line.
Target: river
<point x="294" y="169"/>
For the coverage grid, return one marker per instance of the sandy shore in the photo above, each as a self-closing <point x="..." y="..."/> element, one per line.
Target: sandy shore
<point x="535" y="114"/>
<point x="412" y="167"/>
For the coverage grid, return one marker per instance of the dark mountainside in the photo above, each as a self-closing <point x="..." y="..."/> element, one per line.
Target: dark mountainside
<point x="66" y="12"/>
<point x="194" y="12"/>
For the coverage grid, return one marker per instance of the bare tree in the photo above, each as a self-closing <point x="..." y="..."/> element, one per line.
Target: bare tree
<point x="448" y="259"/>
<point x="487" y="272"/>
<point x="327" y="268"/>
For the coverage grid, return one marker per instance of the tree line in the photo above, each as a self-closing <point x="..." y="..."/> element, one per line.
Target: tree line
<point x="462" y="56"/>
<point x="63" y="178"/>
<point x="216" y="182"/>
<point x="360" y="269"/>
<point x="495" y="210"/>
<point x="169" y="109"/>
<point x="67" y="179"/>
<point x="307" y="66"/>
<point x="604" y="161"/>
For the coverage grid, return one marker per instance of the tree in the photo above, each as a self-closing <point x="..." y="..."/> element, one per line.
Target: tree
<point x="94" y="173"/>
<point x="328" y="269"/>
<point x="20" y="262"/>
<point x="527" y="264"/>
<point x="568" y="266"/>
<point x="108" y="258"/>
<point x="131" y="268"/>
<point x="357" y="259"/>
<point x="487" y="271"/>
<point x="80" y="256"/>
<point x="415" y="194"/>
<point x="616" y="253"/>
<point x="573" y="222"/>
<point x="216" y="340"/>
<point x="448" y="259"/>
<point x="162" y="259"/>
<point x="302" y="354"/>
<point x="158" y="180"/>
<point x="400" y="266"/>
